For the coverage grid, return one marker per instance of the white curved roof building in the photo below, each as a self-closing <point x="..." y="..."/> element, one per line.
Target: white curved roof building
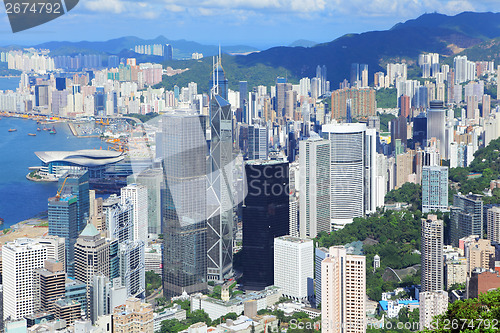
<point x="94" y="160"/>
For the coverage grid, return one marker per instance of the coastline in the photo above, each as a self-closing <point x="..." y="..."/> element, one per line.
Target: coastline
<point x="34" y="227"/>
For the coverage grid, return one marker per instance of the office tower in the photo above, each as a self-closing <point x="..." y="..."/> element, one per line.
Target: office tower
<point x="320" y="254"/>
<point x="91" y="258"/>
<point x="420" y="131"/>
<point x="434" y="188"/>
<point x="244" y="101"/>
<point x="114" y="259"/>
<point x="436" y="115"/>
<point x="466" y="217"/>
<point x="352" y="170"/>
<point x="220" y="185"/>
<point x="486" y="106"/>
<point x="20" y="259"/>
<point x="105" y="296"/>
<point x="133" y="317"/>
<point x="314" y="172"/>
<point x="100" y="288"/>
<point x="60" y="83"/>
<point x="138" y="196"/>
<point x="96" y="214"/>
<point x="399" y="131"/>
<point x="56" y="249"/>
<point x="76" y="182"/>
<point x="405" y="106"/>
<point x="265" y="216"/>
<point x="364" y="75"/>
<point x="258" y="142"/>
<point x="49" y="283"/>
<point x="184" y="204"/>
<point x="42" y="95"/>
<point x="432" y="303"/>
<point x="290" y="104"/>
<point x="432" y="254"/>
<point x="355" y="75"/>
<point x="67" y="310"/>
<point x="153" y="180"/>
<point x="219" y="79"/>
<point x="493" y="225"/>
<point x="294" y="267"/>
<point x="168" y="52"/>
<point x="62" y="215"/>
<point x="76" y="291"/>
<point x="120" y="221"/>
<point x="343" y="292"/>
<point x="325" y="84"/>
<point x="132" y="272"/>
<point x="281" y="87"/>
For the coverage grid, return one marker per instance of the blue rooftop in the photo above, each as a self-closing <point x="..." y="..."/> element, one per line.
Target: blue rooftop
<point x="383" y="304"/>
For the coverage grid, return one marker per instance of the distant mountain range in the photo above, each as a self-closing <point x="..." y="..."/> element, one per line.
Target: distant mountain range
<point x="446" y="35"/>
<point x="182" y="48"/>
<point x="474" y="34"/>
<point x="303" y="43"/>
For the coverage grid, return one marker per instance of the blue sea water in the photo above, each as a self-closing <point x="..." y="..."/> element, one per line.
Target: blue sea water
<point x="9" y="83"/>
<point x="20" y="198"/>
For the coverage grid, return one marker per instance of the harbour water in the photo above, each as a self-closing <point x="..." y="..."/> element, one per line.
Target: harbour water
<point x="9" y="83"/>
<point x="20" y="198"/>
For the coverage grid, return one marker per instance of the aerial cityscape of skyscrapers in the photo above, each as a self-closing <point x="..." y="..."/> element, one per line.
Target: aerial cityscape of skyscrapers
<point x="245" y="203"/>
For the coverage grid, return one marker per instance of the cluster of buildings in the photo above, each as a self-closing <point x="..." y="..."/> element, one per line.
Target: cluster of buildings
<point x="161" y="50"/>
<point x="261" y="171"/>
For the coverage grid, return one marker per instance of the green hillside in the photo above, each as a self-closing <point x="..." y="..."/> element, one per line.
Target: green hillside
<point x="200" y="72"/>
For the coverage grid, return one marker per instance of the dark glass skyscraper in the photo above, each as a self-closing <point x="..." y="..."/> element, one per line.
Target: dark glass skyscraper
<point x="62" y="214"/>
<point x="265" y="216"/>
<point x="244" y="100"/>
<point x="66" y="221"/>
<point x="184" y="204"/>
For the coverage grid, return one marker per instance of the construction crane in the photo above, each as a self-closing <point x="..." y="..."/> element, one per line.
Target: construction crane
<point x="58" y="195"/>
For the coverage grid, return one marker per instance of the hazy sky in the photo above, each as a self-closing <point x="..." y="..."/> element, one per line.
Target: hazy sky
<point x="259" y="23"/>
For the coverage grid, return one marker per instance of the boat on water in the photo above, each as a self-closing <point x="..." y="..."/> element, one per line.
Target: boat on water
<point x="1" y="221"/>
<point x="12" y="129"/>
<point x="38" y="129"/>
<point x="53" y="130"/>
<point x="31" y="134"/>
<point x="45" y="128"/>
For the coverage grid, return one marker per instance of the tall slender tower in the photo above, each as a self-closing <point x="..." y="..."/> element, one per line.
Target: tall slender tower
<point x="314" y="171"/>
<point x="432" y="254"/>
<point x="352" y="171"/>
<point x="91" y="258"/>
<point x="343" y="292"/>
<point x="220" y="181"/>
<point x="184" y="204"/>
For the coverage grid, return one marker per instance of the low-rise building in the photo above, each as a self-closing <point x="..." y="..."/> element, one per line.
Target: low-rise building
<point x="133" y="317"/>
<point x="482" y="281"/>
<point x="216" y="308"/>
<point x="174" y="312"/>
